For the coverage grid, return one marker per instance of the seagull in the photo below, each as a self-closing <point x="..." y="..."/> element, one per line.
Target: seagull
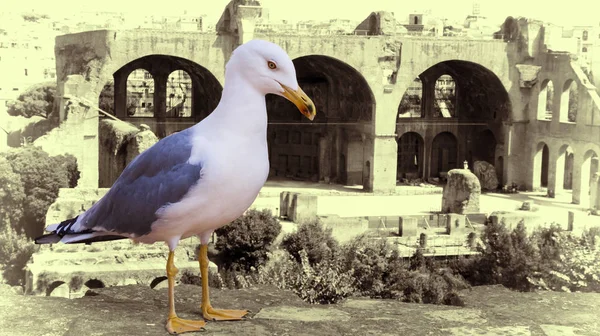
<point x="192" y="182"/>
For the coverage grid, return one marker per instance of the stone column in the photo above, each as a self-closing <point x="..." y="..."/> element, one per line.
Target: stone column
<point x="577" y="163"/>
<point x="595" y="192"/>
<point x="246" y="19"/>
<point x="120" y="95"/>
<point x="160" y="103"/>
<point x="383" y="167"/>
<point x="428" y="98"/>
<point x="76" y="115"/>
<point x="553" y="179"/>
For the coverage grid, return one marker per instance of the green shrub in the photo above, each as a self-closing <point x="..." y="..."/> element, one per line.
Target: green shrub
<point x="571" y="263"/>
<point x="314" y="238"/>
<point x="323" y="283"/>
<point x="376" y="267"/>
<point x="243" y="244"/>
<point x="42" y="176"/>
<point x="15" y="251"/>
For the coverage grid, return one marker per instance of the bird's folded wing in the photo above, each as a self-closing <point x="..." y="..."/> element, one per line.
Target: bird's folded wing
<point x="159" y="176"/>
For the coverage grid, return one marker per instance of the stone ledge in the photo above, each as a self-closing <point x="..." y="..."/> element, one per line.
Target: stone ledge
<point x="140" y="310"/>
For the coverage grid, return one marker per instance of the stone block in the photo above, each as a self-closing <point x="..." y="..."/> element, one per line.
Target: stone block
<point x="461" y="192"/>
<point x="304" y="207"/>
<point x="455" y="223"/>
<point x="290" y="205"/>
<point x="531" y="220"/>
<point x="477" y="218"/>
<point x="527" y="206"/>
<point x="345" y="228"/>
<point x="408" y="226"/>
<point x="284" y="203"/>
<point x="571" y="221"/>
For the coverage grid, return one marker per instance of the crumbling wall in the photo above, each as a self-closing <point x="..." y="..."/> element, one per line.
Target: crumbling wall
<point x="120" y="143"/>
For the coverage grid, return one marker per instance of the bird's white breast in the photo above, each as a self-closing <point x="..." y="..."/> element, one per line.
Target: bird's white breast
<point x="234" y="169"/>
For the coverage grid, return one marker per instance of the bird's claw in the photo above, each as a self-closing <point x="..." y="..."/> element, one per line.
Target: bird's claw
<point x="212" y="314"/>
<point x="176" y="325"/>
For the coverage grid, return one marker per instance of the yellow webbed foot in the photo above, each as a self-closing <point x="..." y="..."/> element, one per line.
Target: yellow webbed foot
<point x="212" y="314"/>
<point x="176" y="325"/>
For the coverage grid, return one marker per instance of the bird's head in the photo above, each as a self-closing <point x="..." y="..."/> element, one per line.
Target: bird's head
<point x="270" y="70"/>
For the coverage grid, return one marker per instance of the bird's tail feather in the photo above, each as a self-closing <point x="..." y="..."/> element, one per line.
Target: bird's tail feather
<point x="67" y="232"/>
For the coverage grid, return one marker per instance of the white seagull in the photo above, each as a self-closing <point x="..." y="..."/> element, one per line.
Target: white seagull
<point x="197" y="180"/>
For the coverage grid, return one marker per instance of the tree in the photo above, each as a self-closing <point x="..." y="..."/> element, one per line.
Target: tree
<point x="42" y="176"/>
<point x="12" y="195"/>
<point x="37" y="100"/>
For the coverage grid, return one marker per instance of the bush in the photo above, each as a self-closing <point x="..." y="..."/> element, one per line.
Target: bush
<point x="569" y="264"/>
<point x="15" y="251"/>
<point x="323" y="283"/>
<point x="243" y="244"/>
<point x="507" y="258"/>
<point x="313" y="238"/>
<point x="376" y="268"/>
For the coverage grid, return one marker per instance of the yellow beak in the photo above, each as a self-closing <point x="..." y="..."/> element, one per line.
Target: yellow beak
<point x="301" y="100"/>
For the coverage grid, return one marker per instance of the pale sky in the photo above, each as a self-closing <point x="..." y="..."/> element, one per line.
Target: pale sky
<point x="570" y="12"/>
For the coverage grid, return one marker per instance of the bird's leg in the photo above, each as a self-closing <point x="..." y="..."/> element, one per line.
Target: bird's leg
<point x="208" y="311"/>
<point x="176" y="325"/>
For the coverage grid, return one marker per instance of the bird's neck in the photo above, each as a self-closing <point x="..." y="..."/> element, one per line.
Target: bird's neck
<point x="242" y="108"/>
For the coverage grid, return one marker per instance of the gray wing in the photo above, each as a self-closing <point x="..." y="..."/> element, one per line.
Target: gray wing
<point x="158" y="176"/>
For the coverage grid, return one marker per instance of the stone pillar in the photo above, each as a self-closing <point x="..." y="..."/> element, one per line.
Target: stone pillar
<point x="120" y="99"/>
<point x="595" y="192"/>
<point x="576" y="192"/>
<point x="383" y="167"/>
<point x="428" y="98"/>
<point x="553" y="180"/>
<point x="246" y="19"/>
<point x="76" y="115"/>
<point x="160" y="103"/>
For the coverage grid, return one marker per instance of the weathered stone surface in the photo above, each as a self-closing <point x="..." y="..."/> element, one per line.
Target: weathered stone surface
<point x="139" y="310"/>
<point x="461" y="192"/>
<point x="345" y="228"/>
<point x="288" y="313"/>
<point x="139" y="143"/>
<point x="528" y="74"/>
<point x="303" y="207"/>
<point x="531" y="220"/>
<point x="486" y="173"/>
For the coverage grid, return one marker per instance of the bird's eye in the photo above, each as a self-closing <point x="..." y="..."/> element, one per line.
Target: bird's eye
<point x="272" y="65"/>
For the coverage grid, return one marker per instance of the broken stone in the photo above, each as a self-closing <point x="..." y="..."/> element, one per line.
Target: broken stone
<point x="486" y="173"/>
<point x="461" y="193"/>
<point x="527" y="206"/>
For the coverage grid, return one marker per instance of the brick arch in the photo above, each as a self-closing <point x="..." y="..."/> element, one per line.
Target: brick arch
<point x="469" y="76"/>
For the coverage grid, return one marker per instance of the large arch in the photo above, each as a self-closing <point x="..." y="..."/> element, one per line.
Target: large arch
<point x="444" y="154"/>
<point x="331" y="148"/>
<point x="410" y="156"/>
<point x="541" y="162"/>
<point x="462" y="98"/>
<point x="204" y="88"/>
